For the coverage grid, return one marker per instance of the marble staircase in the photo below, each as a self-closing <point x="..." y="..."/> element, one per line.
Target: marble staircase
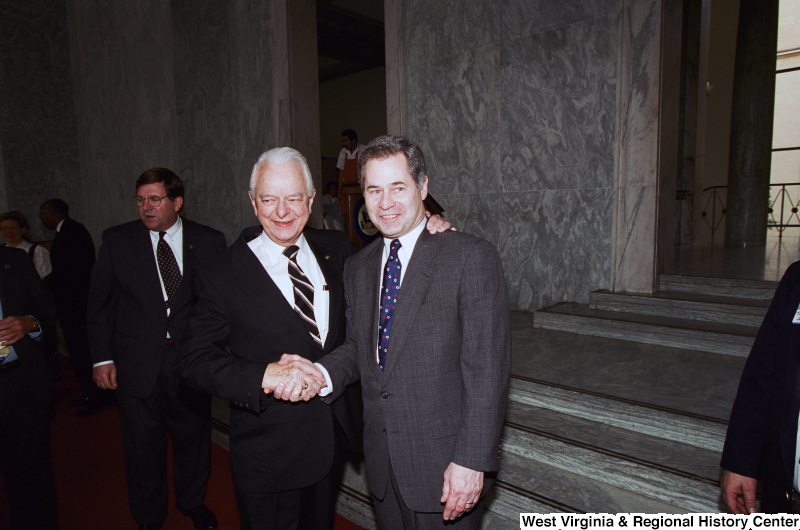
<point x="715" y="315"/>
<point x="621" y="404"/>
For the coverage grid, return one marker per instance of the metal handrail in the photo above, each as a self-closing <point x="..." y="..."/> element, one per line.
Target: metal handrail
<point x="787" y="218"/>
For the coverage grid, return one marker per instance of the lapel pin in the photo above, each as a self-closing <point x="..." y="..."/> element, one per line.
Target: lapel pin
<point x="6" y="266"/>
<point x="191" y="246"/>
<point x="327" y="256"/>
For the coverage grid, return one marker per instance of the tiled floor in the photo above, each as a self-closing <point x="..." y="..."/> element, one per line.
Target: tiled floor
<point x="766" y="262"/>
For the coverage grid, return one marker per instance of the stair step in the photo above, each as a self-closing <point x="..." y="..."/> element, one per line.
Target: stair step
<point x="686" y="381"/>
<point x="763" y="289"/>
<point x="693" y="306"/>
<point x="724" y="339"/>
<point x="659" y="453"/>
<point x="679" y="427"/>
<point x="542" y="488"/>
<point x="673" y="474"/>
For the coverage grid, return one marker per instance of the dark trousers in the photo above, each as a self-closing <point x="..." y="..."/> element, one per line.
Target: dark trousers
<point x="393" y="513"/>
<point x="25" y="455"/>
<point x="309" y="508"/>
<point x="72" y="318"/>
<point x="184" y="414"/>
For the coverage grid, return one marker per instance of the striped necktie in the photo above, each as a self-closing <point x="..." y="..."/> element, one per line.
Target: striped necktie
<point x="303" y="293"/>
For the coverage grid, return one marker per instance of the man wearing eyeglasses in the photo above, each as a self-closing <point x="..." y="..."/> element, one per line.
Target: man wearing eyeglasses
<point x="138" y="303"/>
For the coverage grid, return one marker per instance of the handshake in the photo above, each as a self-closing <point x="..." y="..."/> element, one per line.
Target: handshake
<point x="293" y="378"/>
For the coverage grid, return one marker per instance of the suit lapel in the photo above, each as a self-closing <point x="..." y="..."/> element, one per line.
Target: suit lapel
<point x="183" y="295"/>
<point x="331" y="264"/>
<point x="142" y="247"/>
<point x="412" y="291"/>
<point x="366" y="313"/>
<point x="251" y="277"/>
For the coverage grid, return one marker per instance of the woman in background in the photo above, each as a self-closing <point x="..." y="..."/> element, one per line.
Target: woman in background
<point x="14" y="228"/>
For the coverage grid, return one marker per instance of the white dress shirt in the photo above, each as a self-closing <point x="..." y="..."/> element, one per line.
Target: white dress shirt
<point x="270" y="254"/>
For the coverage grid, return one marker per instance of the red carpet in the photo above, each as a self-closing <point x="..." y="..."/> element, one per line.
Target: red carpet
<point x="90" y="472"/>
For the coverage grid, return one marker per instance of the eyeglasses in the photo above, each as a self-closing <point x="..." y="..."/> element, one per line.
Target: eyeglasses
<point x="154" y="200"/>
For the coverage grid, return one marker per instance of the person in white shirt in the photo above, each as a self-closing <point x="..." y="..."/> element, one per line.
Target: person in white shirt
<point x="347" y="164"/>
<point x="15" y="229"/>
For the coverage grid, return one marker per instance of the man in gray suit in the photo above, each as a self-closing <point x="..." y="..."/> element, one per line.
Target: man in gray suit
<point x="434" y="366"/>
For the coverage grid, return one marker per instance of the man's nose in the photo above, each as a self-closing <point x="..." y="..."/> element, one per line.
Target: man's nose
<point x="282" y="209"/>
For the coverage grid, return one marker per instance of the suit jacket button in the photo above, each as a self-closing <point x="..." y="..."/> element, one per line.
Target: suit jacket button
<point x="384" y="432"/>
<point x="384" y="395"/>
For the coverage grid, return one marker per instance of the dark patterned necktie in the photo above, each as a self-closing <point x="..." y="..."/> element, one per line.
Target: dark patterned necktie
<point x="303" y="293"/>
<point x="389" y="291"/>
<point x="168" y="267"/>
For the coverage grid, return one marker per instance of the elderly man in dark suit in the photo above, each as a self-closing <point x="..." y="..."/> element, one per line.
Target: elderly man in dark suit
<point x="72" y="258"/>
<point x="26" y="314"/>
<point x="762" y="439"/>
<point x="428" y="337"/>
<point x="284" y="456"/>
<point x="139" y="302"/>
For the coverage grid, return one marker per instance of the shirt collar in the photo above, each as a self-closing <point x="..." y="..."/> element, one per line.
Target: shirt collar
<point x="407" y="241"/>
<point x="274" y="251"/>
<point x="173" y="230"/>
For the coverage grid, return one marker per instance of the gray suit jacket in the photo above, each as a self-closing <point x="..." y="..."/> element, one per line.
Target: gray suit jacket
<point x="442" y="395"/>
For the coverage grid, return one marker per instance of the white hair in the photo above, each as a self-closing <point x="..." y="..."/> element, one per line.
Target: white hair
<point x="278" y="157"/>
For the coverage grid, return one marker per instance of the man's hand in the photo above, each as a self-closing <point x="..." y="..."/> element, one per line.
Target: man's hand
<point x="292" y="379"/>
<point x="438" y="224"/>
<point x="105" y="376"/>
<point x="739" y="492"/>
<point x="461" y="490"/>
<point x="12" y="329"/>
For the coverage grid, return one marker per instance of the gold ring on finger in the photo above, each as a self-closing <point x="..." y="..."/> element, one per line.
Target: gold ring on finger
<point x="305" y="386"/>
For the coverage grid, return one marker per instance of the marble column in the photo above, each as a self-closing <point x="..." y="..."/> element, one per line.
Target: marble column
<point x="296" y="83"/>
<point x="670" y="130"/>
<point x="751" y="124"/>
<point x="396" y="111"/>
<point x="633" y="239"/>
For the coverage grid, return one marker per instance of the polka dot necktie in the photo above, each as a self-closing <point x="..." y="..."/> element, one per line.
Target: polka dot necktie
<point x="303" y="293"/>
<point x="389" y="291"/>
<point x="168" y="267"/>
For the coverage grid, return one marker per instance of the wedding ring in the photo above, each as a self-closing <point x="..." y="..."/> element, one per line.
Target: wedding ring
<point x="305" y="385"/>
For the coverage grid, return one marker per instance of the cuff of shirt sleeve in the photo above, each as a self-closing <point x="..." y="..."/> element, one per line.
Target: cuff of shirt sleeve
<point x="35" y="334"/>
<point x="95" y="365"/>
<point x="328" y="385"/>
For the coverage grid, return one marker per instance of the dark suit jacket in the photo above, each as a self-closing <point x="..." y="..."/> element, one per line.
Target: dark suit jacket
<point x="72" y="257"/>
<point x="240" y="323"/>
<point x="763" y="426"/>
<point x="442" y="395"/>
<point x="22" y="293"/>
<point x="127" y="317"/>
